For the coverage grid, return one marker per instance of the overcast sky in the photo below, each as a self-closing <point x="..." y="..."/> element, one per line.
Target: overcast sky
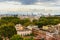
<point x="14" y="5"/>
<point x="29" y="2"/>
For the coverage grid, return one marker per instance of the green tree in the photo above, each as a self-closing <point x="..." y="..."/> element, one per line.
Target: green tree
<point x="34" y="22"/>
<point x="28" y="38"/>
<point x="48" y="21"/>
<point x="7" y="30"/>
<point x="16" y="37"/>
<point x="5" y="20"/>
<point x="1" y="38"/>
<point x="25" y="22"/>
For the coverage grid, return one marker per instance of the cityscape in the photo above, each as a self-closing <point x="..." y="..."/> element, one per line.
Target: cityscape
<point x="29" y="19"/>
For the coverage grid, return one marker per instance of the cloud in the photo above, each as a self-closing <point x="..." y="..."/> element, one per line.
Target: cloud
<point x="28" y="1"/>
<point x="47" y="0"/>
<point x="25" y="2"/>
<point x="14" y="6"/>
<point x="37" y="2"/>
<point x="48" y="3"/>
<point x="9" y="6"/>
<point x="17" y="6"/>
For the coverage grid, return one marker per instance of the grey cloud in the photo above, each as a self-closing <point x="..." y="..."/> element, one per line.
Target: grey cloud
<point x="27" y="2"/>
<point x="22" y="1"/>
<point x="47" y="0"/>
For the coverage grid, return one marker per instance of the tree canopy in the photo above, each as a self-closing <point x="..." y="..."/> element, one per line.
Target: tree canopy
<point x="48" y="21"/>
<point x="7" y="30"/>
<point x="7" y="25"/>
<point x="16" y="37"/>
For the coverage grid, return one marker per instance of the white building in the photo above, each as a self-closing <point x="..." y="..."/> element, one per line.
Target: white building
<point x="31" y="27"/>
<point x="22" y="31"/>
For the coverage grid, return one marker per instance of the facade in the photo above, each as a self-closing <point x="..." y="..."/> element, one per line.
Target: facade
<point x="22" y="31"/>
<point x="32" y="26"/>
<point x="52" y="33"/>
<point x="19" y="27"/>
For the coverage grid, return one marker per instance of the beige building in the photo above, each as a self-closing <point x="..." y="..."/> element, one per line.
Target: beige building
<point x="19" y="27"/>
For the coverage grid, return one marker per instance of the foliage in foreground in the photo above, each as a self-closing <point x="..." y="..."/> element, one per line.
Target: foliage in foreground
<point x="18" y="37"/>
<point x="7" y="30"/>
